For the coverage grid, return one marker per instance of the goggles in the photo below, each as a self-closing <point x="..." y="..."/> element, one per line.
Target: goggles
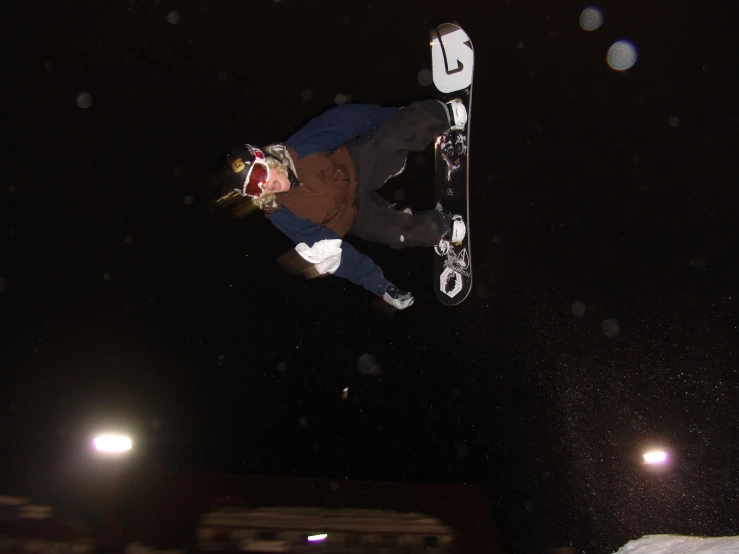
<point x="256" y="172"/>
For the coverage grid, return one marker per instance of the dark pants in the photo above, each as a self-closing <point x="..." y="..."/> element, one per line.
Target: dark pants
<point x="382" y="155"/>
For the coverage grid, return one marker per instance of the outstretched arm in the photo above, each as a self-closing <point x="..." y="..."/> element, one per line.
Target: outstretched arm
<point x="356" y="267"/>
<point x="337" y="126"/>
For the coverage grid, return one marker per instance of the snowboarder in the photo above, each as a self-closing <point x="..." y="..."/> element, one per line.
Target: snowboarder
<point x="320" y="185"/>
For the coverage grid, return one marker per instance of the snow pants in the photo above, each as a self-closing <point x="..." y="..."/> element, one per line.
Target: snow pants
<point x="381" y="155"/>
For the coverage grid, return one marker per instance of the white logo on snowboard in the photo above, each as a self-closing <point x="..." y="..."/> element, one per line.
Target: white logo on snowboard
<point x="459" y="262"/>
<point x="463" y="259"/>
<point x="450" y="282"/>
<point x="454" y="71"/>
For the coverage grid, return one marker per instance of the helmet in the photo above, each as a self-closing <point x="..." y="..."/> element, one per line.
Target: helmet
<point x="246" y="172"/>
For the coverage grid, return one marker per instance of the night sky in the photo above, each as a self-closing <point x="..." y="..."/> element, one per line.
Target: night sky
<point x="603" y="315"/>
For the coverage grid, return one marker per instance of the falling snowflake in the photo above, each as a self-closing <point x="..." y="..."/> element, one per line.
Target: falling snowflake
<point x="610" y="328"/>
<point x="425" y="77"/>
<point x="84" y="100"/>
<point x="342" y="99"/>
<point x="621" y="55"/>
<point x="591" y="18"/>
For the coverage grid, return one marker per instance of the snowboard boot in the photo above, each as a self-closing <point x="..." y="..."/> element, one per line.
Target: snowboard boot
<point x="458" y="115"/>
<point x="397" y="298"/>
<point x="454" y="234"/>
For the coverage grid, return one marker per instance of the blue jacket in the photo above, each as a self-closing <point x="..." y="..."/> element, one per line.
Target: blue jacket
<point x="326" y="133"/>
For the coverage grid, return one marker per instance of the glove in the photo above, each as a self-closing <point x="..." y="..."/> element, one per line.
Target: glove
<point x="325" y="254"/>
<point x="397" y="298"/>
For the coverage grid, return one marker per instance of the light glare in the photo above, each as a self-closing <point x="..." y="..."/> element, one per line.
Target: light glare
<point x="655" y="457"/>
<point x="316" y="538"/>
<point x="113" y="444"/>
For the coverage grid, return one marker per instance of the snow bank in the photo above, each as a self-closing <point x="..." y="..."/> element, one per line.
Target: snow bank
<point x="678" y="544"/>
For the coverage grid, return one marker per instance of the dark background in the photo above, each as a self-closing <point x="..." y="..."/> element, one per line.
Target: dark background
<point x="127" y="301"/>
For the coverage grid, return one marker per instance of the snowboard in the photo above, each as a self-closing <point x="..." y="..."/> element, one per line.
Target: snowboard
<point x="452" y="67"/>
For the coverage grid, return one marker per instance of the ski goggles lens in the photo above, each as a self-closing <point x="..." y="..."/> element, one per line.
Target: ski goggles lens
<point x="258" y="175"/>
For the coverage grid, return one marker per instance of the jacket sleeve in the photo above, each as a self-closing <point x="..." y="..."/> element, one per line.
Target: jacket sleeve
<point x="356" y="267"/>
<point x="337" y="126"/>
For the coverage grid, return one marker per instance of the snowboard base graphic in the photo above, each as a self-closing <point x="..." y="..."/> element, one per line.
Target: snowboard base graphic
<point x="452" y="64"/>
